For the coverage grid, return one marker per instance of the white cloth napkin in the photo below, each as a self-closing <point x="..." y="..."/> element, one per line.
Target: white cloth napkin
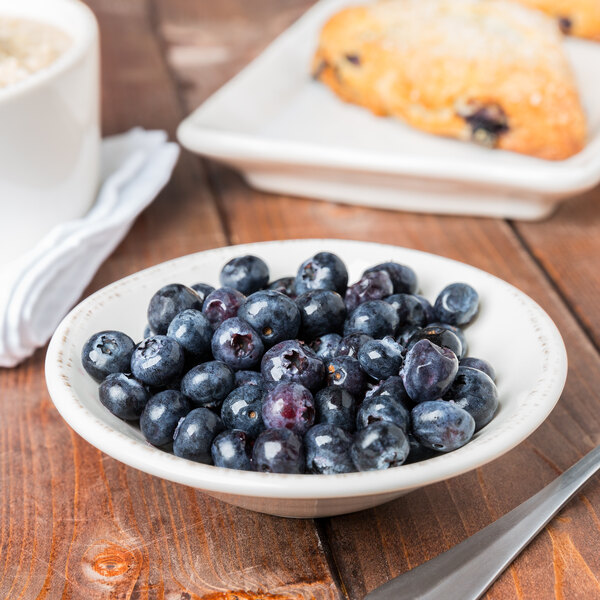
<point x="38" y="289"/>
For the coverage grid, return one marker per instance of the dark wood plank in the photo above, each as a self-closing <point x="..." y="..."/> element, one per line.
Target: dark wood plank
<point x="76" y="524"/>
<point x="567" y="245"/>
<point x="219" y="38"/>
<point x="372" y="546"/>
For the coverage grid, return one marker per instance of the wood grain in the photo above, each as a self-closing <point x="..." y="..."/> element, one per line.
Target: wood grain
<point x="372" y="546"/>
<point x="76" y="524"/>
<point x="567" y="246"/>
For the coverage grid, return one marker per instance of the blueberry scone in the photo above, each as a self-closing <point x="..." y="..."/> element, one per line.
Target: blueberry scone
<point x="489" y="71"/>
<point x="575" y="17"/>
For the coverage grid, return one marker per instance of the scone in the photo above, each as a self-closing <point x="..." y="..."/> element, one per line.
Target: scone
<point x="489" y="71"/>
<point x="575" y="17"/>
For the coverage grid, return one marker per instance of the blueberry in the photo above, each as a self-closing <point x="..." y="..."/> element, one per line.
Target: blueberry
<point x="321" y="311"/>
<point x="249" y="378"/>
<point x="411" y="309"/>
<point x="208" y="384"/>
<point x="194" y="435"/>
<point x="231" y="450"/>
<point x="565" y="25"/>
<point x="323" y="271"/>
<point x="278" y="451"/>
<point x="274" y="316"/>
<point x="351" y="344"/>
<point x="376" y="318"/>
<point x="157" y="361"/>
<point x="405" y="333"/>
<point x="285" y="285"/>
<point x="418" y="452"/>
<point x="441" y="425"/>
<point x="487" y="121"/>
<point x="428" y="371"/>
<point x="247" y="274"/>
<point x="480" y="365"/>
<point x="269" y="385"/>
<point x="328" y="450"/>
<point x="289" y="406"/>
<point x="168" y="302"/>
<point x="237" y="344"/>
<point x="457" y="304"/>
<point x="161" y="415"/>
<point x="147" y="331"/>
<point x="242" y="409"/>
<point x="191" y="329"/>
<point x="404" y="279"/>
<point x="381" y="358"/>
<point x="203" y="290"/>
<point x="326" y="346"/>
<point x="336" y="406"/>
<point x="345" y="372"/>
<point x="375" y="285"/>
<point x="124" y="396"/>
<point x="474" y="391"/>
<point x="440" y="336"/>
<point x="382" y="408"/>
<point x="107" y="352"/>
<point x="222" y="304"/>
<point x="429" y="312"/>
<point x="380" y="445"/>
<point x="392" y="387"/>
<point x="460" y="334"/>
<point x="294" y="362"/>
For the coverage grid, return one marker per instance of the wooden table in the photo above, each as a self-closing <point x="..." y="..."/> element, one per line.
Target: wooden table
<point x="76" y="524"/>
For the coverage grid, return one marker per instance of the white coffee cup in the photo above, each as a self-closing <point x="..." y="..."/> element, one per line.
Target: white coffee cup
<point x="49" y="131"/>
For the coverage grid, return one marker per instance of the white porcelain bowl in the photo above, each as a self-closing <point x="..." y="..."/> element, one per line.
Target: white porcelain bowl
<point x="512" y="332"/>
<point x="50" y="136"/>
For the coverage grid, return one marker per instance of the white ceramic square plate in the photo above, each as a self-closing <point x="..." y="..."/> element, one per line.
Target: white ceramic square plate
<point x="511" y="331"/>
<point x="290" y="134"/>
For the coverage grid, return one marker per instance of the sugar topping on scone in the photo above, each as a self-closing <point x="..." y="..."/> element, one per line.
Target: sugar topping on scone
<point x="574" y="17"/>
<point x="490" y="71"/>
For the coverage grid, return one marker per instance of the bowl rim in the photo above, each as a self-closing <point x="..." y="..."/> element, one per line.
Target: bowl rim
<point x="209" y="478"/>
<point x="82" y="39"/>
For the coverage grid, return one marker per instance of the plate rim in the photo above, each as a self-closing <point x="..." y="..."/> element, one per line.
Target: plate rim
<point x="267" y="485"/>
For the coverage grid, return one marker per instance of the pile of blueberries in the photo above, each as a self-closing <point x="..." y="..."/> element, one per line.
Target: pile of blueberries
<point x="302" y="375"/>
